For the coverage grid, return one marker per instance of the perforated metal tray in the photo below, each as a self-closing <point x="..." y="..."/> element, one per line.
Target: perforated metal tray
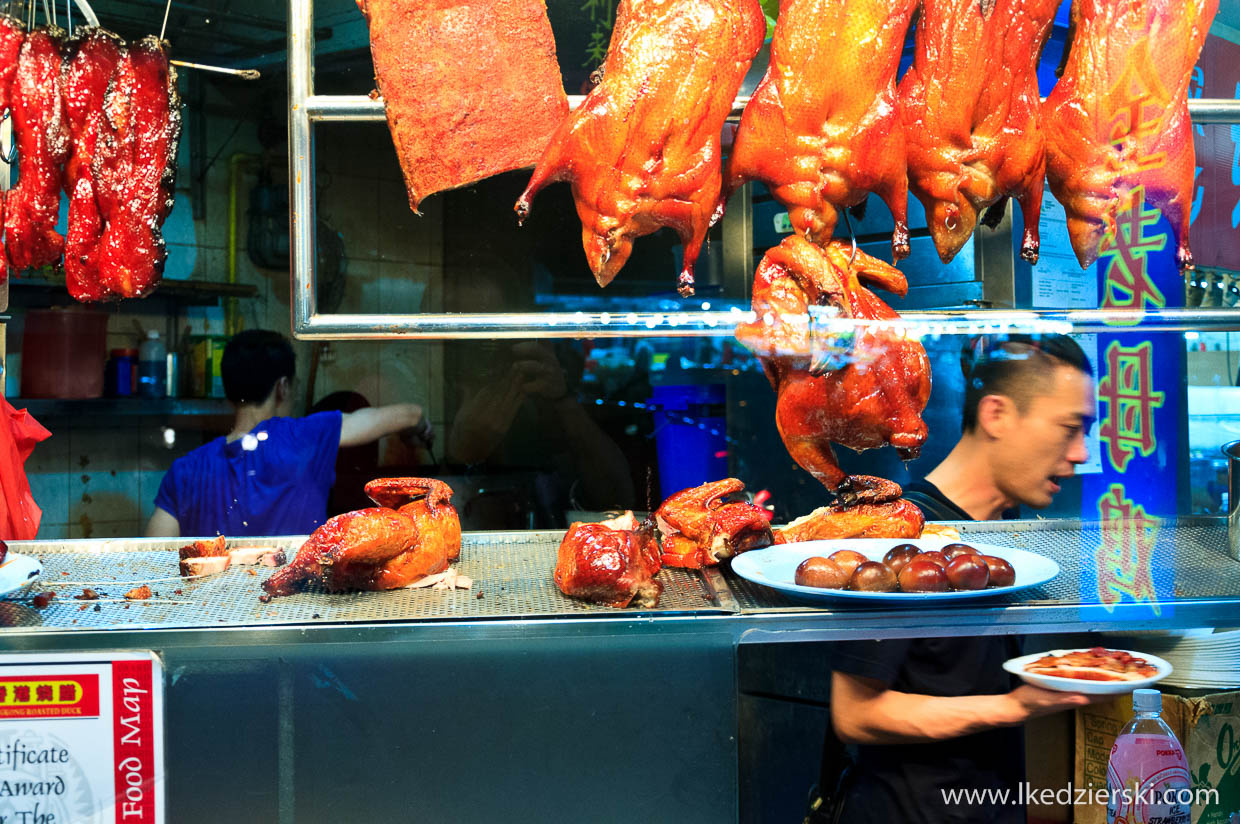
<point x="511" y="575"/>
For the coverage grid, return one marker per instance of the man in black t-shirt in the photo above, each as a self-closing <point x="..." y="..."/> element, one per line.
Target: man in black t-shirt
<point x="934" y="715"/>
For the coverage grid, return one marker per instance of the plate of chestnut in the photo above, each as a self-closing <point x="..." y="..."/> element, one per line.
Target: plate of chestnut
<point x="885" y="569"/>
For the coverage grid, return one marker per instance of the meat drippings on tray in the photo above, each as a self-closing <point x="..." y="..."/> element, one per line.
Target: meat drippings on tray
<point x="43" y="142"/>
<point x="1113" y="147"/>
<point x="613" y="564"/>
<point x="643" y="151"/>
<point x="471" y="89"/>
<point x="413" y="532"/>
<point x="970" y="106"/>
<point x="822" y="130"/>
<point x="134" y="169"/>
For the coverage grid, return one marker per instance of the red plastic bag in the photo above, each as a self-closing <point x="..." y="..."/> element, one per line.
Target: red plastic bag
<point x="19" y="514"/>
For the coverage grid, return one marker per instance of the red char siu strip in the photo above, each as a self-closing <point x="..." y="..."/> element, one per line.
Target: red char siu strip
<point x="12" y="35"/>
<point x="43" y="145"/>
<point x="134" y="168"/>
<point x="91" y="59"/>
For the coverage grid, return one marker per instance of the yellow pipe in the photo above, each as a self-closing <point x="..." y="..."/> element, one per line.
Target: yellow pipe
<point x="236" y="164"/>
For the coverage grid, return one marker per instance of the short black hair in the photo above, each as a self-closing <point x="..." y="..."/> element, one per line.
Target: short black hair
<point x="1018" y="366"/>
<point x="254" y="360"/>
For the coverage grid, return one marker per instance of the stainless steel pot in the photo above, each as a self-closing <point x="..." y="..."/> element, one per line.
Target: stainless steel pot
<point x="1232" y="451"/>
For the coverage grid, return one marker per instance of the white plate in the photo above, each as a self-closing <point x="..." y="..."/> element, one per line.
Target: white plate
<point x="776" y="567"/>
<point x="1016" y="666"/>
<point x="17" y="572"/>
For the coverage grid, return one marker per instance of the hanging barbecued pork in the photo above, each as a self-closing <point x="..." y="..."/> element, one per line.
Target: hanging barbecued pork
<point x="12" y="35"/>
<point x="642" y="152"/>
<point x="91" y="58"/>
<point x="31" y="207"/>
<point x="134" y="169"/>
<point x="1117" y="121"/>
<point x="471" y="89"/>
<point x="822" y="130"/>
<point x="971" y="116"/>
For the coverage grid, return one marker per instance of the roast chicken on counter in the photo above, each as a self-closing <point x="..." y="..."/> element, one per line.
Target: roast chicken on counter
<point x="612" y="563"/>
<point x="643" y="151"/>
<point x="700" y="527"/>
<point x="822" y="129"/>
<point x="1117" y="121"/>
<point x="471" y="89"/>
<point x="412" y="533"/>
<point x="971" y="106"/>
<point x="872" y="396"/>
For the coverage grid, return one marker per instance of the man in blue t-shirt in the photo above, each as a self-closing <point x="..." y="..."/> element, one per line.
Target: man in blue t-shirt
<point x="271" y="474"/>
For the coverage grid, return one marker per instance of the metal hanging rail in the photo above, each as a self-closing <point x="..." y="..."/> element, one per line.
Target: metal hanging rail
<point x="307" y="108"/>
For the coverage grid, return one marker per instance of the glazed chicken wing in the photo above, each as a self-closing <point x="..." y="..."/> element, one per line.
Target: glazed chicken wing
<point x="822" y="130"/>
<point x="699" y="528"/>
<point x="642" y="151"/>
<point x="610" y="563"/>
<point x="413" y="532"/>
<point x="970" y="105"/>
<point x="1118" y="120"/>
<point x="874" y="397"/>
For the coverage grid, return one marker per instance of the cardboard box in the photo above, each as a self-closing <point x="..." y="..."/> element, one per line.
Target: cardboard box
<point x="1209" y="730"/>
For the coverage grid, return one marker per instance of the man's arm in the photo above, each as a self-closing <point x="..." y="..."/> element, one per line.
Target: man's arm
<point x="370" y="424"/>
<point x="863" y="711"/>
<point x="163" y="525"/>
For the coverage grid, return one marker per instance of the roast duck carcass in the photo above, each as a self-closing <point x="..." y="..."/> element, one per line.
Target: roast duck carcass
<point x="91" y="59"/>
<point x="42" y="138"/>
<point x="822" y="130"/>
<point x="970" y="105"/>
<point x="12" y="35"/>
<point x="612" y="563"/>
<point x="643" y="151"/>
<point x="700" y="527"/>
<point x="133" y="173"/>
<point x="471" y="89"/>
<point x="412" y="533"/>
<point x="873" y="397"/>
<point x="877" y="512"/>
<point x="1117" y="121"/>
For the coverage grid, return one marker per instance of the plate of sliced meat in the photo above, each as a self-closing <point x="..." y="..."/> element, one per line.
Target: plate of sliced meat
<point x="1096" y="671"/>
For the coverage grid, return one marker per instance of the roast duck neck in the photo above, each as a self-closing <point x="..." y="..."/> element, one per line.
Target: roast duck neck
<point x="413" y="532"/>
<point x="873" y="392"/>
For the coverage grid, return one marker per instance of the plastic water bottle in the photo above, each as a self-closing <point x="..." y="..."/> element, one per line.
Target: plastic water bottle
<point x="1147" y="774"/>
<point x="152" y="367"/>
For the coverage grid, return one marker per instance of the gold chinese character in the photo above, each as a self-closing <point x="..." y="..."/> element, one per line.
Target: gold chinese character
<point x="1125" y="558"/>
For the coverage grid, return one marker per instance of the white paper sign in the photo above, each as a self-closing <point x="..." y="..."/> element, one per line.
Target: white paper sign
<point x="81" y="738"/>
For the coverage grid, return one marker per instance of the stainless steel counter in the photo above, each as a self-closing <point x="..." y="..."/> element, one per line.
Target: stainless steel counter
<point x="513" y="594"/>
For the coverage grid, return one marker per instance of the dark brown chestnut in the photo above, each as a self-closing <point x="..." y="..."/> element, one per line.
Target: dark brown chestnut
<point x="820" y="572"/>
<point x="934" y="557"/>
<point x="848" y="560"/>
<point x="898" y="556"/>
<point x="923" y="576"/>
<point x="952" y="550"/>
<point x="968" y="572"/>
<point x="1001" y="572"/>
<point x="873" y="577"/>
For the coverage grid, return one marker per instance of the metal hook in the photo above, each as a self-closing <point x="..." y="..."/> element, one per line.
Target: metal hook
<point x="9" y="157"/>
<point x="852" y="236"/>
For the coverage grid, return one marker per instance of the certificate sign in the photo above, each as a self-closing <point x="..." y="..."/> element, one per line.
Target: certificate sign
<point x="81" y="738"/>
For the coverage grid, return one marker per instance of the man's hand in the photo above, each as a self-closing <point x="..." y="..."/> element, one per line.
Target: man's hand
<point x="538" y="371"/>
<point x="1029" y="702"/>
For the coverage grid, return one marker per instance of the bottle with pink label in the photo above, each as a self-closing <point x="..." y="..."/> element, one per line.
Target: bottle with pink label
<point x="1147" y="774"/>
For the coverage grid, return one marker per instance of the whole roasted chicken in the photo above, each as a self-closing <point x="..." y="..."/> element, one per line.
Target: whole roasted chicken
<point x="876" y="512"/>
<point x="1117" y="121"/>
<point x="412" y="533"/>
<point x="971" y="106"/>
<point x="642" y="151"/>
<point x="612" y="563"/>
<point x="871" y="396"/>
<point x="822" y="130"/>
<point x="699" y="527"/>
